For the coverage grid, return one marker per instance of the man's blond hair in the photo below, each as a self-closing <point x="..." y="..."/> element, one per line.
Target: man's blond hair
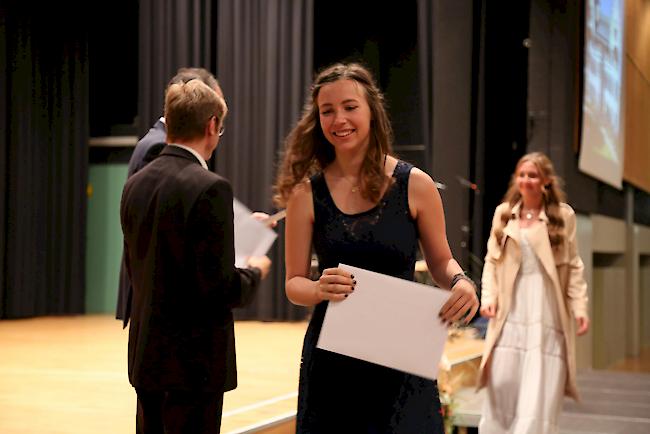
<point x="188" y="109"/>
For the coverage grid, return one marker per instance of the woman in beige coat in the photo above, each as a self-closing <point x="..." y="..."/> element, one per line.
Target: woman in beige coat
<point x="533" y="291"/>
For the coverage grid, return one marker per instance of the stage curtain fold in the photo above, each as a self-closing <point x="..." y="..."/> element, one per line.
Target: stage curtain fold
<point x="265" y="68"/>
<point x="43" y="162"/>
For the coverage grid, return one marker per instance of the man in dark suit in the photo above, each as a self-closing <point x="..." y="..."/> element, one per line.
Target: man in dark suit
<point x="148" y="148"/>
<point x="177" y="220"/>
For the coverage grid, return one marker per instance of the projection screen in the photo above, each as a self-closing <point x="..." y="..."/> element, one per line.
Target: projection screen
<point x="602" y="146"/>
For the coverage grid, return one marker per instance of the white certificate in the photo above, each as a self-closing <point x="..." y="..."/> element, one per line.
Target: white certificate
<point x="388" y="321"/>
<point x="252" y="237"/>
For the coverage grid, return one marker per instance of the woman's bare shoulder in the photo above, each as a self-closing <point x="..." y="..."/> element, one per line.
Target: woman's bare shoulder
<point x="301" y="195"/>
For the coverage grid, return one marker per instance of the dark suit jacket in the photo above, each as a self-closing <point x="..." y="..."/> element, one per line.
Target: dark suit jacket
<point x="177" y="220"/>
<point x="147" y="148"/>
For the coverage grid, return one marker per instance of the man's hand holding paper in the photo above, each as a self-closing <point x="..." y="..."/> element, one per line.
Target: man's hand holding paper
<point x="253" y="238"/>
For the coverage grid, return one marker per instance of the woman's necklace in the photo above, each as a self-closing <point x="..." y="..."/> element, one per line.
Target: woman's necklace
<point x="354" y="187"/>
<point x="530" y="213"/>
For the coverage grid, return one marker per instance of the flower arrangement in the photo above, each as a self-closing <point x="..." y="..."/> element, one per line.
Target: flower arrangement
<point x="447" y="408"/>
<point x="449" y="382"/>
<point x="447" y="385"/>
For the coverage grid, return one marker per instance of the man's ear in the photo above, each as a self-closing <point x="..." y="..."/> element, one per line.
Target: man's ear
<point x="211" y="126"/>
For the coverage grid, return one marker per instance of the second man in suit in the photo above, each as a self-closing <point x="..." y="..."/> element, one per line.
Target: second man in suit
<point x="177" y="220"/>
<point x="148" y="148"/>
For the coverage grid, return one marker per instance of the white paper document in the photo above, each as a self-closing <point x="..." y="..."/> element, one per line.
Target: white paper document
<point x="252" y="237"/>
<point x="388" y="321"/>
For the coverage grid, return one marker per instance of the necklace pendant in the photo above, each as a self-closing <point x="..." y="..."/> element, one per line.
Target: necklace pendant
<point x="354" y="189"/>
<point x="529" y="215"/>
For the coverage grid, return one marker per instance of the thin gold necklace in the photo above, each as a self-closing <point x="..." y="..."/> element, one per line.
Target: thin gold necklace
<point x="354" y="188"/>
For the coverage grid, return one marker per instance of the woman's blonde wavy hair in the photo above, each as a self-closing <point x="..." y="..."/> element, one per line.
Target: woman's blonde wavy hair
<point x="307" y="151"/>
<point x="552" y="196"/>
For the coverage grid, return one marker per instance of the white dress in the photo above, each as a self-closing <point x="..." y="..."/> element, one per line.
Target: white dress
<point x="525" y="387"/>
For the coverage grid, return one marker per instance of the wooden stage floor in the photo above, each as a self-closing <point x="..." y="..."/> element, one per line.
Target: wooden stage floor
<point x="68" y="375"/>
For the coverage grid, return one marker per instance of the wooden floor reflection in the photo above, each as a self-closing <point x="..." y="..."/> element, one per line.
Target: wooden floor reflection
<point x="68" y="375"/>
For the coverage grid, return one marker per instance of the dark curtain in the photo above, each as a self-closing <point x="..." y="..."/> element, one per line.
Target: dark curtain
<point x="260" y="50"/>
<point x="479" y="235"/>
<point x="265" y="69"/>
<point x="447" y="52"/>
<point x="172" y="34"/>
<point x="425" y="70"/>
<point x="43" y="161"/>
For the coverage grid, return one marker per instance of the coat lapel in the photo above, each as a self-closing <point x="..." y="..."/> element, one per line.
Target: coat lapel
<point x="512" y="228"/>
<point x="511" y="231"/>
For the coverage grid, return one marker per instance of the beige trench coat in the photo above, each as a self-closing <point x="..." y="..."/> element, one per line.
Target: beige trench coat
<point x="563" y="267"/>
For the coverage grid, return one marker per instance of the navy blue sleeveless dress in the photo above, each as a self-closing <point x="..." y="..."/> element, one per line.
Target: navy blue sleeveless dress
<point x="340" y="394"/>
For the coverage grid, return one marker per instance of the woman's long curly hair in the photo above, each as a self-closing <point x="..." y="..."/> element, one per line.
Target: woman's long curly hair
<point x="552" y="196"/>
<point x="307" y="151"/>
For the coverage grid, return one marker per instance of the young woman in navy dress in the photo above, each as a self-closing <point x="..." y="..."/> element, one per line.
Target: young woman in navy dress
<point x="354" y="203"/>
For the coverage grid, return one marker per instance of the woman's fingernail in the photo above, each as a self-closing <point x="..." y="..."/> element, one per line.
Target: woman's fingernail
<point x="354" y="282"/>
<point x="351" y="276"/>
<point x="346" y="295"/>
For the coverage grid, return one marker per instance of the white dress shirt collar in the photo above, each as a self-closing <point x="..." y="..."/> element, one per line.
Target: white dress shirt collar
<point x="196" y="154"/>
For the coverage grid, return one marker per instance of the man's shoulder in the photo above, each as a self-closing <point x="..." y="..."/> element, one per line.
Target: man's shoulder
<point x="168" y="177"/>
<point x="207" y="178"/>
<point x="192" y="173"/>
<point x="153" y="136"/>
<point x="147" y="148"/>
